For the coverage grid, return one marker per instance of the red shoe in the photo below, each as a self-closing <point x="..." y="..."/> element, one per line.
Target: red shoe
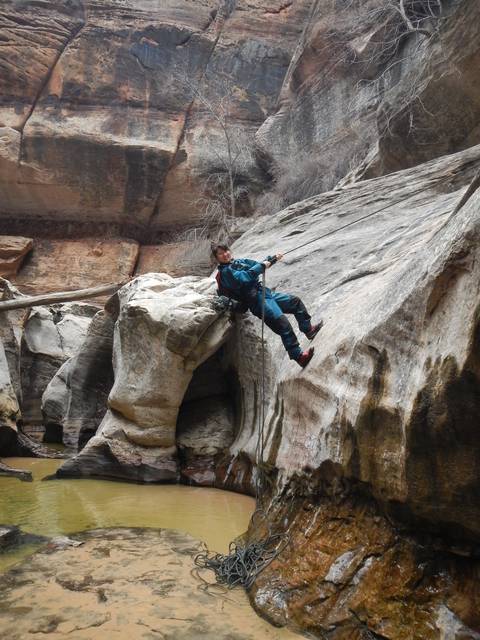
<point x="314" y="329"/>
<point x="305" y="357"/>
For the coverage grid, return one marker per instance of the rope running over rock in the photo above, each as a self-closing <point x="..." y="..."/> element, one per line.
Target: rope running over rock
<point x="243" y="563"/>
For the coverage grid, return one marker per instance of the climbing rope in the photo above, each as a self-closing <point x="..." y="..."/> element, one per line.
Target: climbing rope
<point x="474" y="185"/>
<point x="243" y="563"/>
<point x="345" y="226"/>
<point x="261" y="439"/>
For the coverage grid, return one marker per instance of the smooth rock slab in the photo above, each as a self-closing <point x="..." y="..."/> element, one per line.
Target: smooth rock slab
<point x="391" y="395"/>
<point x="122" y="583"/>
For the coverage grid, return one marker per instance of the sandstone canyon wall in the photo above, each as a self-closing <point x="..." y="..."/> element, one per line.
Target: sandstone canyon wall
<point x="370" y="452"/>
<point x="370" y="459"/>
<point x="367" y="94"/>
<point x="102" y="132"/>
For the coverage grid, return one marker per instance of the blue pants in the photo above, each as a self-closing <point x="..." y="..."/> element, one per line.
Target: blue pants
<point x="276" y="305"/>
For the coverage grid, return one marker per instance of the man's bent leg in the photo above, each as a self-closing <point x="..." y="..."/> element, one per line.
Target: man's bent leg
<point x="282" y="327"/>
<point x="293" y="304"/>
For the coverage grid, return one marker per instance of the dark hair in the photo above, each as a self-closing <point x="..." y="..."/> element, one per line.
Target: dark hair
<point x="215" y="247"/>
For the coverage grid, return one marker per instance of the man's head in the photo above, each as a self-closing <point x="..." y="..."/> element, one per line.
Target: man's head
<point x="221" y="253"/>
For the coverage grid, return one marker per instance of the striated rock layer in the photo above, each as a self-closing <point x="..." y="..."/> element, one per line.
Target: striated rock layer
<point x="90" y="133"/>
<point x="367" y="93"/>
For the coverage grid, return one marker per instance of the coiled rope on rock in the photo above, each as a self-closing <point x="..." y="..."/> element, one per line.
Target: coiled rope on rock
<point x="243" y="563"/>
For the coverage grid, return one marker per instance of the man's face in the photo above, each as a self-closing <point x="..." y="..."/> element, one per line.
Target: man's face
<point x="223" y="256"/>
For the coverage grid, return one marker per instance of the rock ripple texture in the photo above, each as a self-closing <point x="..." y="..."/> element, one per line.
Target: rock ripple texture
<point x="122" y="583"/>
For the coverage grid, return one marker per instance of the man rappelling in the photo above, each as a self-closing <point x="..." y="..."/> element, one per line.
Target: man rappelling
<point x="237" y="279"/>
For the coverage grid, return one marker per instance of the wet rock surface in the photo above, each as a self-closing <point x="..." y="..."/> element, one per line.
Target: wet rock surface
<point x="8" y="535"/>
<point x="6" y="470"/>
<point x="119" y="582"/>
<point x="347" y="573"/>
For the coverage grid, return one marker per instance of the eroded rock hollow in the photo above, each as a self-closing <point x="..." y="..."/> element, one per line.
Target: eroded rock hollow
<point x="165" y="329"/>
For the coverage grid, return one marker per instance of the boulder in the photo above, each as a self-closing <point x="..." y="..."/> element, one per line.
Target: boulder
<point x="8" y="535"/>
<point x="165" y="329"/>
<point x="391" y="396"/>
<point x="51" y="335"/>
<point x="75" y="399"/>
<point x="13" y="250"/>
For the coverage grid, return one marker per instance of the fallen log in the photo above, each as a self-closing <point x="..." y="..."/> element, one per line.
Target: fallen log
<point x="60" y="296"/>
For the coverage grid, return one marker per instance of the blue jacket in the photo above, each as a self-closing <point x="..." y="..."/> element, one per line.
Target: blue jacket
<point x="239" y="280"/>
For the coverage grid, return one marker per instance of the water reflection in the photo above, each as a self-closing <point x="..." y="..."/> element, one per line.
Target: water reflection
<point x="60" y="507"/>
